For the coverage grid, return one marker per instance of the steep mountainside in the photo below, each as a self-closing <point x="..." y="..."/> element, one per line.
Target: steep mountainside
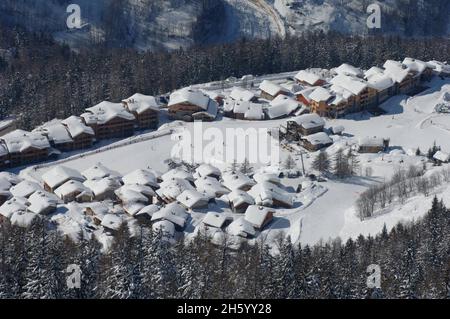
<point x="169" y="24"/>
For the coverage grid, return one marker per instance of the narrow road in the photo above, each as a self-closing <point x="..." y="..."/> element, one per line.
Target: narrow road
<point x="273" y="15"/>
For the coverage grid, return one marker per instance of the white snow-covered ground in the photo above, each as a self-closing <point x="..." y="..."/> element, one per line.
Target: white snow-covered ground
<point x="322" y="210"/>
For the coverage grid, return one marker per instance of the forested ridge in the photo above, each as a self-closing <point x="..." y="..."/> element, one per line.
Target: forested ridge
<point x="414" y="261"/>
<point x="41" y="80"/>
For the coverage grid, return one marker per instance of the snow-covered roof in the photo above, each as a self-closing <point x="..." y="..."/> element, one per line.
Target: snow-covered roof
<point x="251" y="111"/>
<point x="228" y="105"/>
<point x="102" y="185"/>
<point x="306" y="93"/>
<point x="380" y="81"/>
<point x="55" y="131"/>
<point x="441" y="156"/>
<point x="13" y="205"/>
<point x="5" y="185"/>
<point x="213" y="219"/>
<point x="59" y="175"/>
<point x="132" y="208"/>
<point x="25" y="189"/>
<point x="100" y="209"/>
<point x="177" y="173"/>
<point x="257" y="215"/>
<point x="266" y="177"/>
<point x="191" y="198"/>
<point x="267" y="193"/>
<point x="237" y="180"/>
<point x="207" y="170"/>
<point x="19" y="141"/>
<point x="148" y="210"/>
<point x="396" y="70"/>
<point x="308" y="77"/>
<point x="415" y="65"/>
<point x="212" y="94"/>
<point x="173" y="212"/>
<point x="41" y="201"/>
<point x="238" y="197"/>
<point x="240" y="94"/>
<point x="190" y="96"/>
<point x="439" y="67"/>
<point x="76" y="127"/>
<point x="373" y="71"/>
<point x="371" y="141"/>
<point x="338" y="129"/>
<point x="347" y="69"/>
<point x="23" y="218"/>
<point x="210" y="186"/>
<point x="350" y="83"/>
<point x="143" y="189"/>
<point x="142" y="177"/>
<point x="11" y="177"/>
<point x="71" y="187"/>
<point x="112" y="221"/>
<point x="98" y="171"/>
<point x="241" y="227"/>
<point x="107" y="111"/>
<point x="271" y="88"/>
<point x="320" y="94"/>
<point x="211" y="110"/>
<point x="309" y="121"/>
<point x="172" y="188"/>
<point x="129" y="195"/>
<point x="281" y="106"/>
<point x="141" y="103"/>
<point x="320" y="138"/>
<point x="3" y="149"/>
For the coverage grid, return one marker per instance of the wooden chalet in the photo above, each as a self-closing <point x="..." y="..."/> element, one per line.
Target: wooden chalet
<point x="270" y="90"/>
<point x="309" y="79"/>
<point x="26" y="147"/>
<point x="145" y="109"/>
<point x="188" y="104"/>
<point x="82" y="135"/>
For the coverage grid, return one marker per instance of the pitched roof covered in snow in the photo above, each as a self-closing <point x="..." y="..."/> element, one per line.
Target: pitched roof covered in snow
<point x="251" y="111"/>
<point x="177" y="173"/>
<point x="347" y="69"/>
<point x="215" y="220"/>
<point x="271" y="88"/>
<point x="42" y="201"/>
<point x="240" y="94"/>
<point x="309" y="121"/>
<point x="237" y="180"/>
<point x="281" y="106"/>
<point x="373" y="71"/>
<point x="371" y="141"/>
<point x="141" y="103"/>
<point x="308" y="77"/>
<point x="131" y="195"/>
<point x="55" y="131"/>
<point x="267" y="177"/>
<point x="442" y="156"/>
<point x="210" y="186"/>
<point x="380" y="82"/>
<point x="76" y="127"/>
<point x="415" y="65"/>
<point x="172" y="188"/>
<point x="238" y="197"/>
<point x="19" y="141"/>
<point x="98" y="171"/>
<point x="107" y="111"/>
<point x="350" y="83"/>
<point x="71" y="187"/>
<point x="192" y="199"/>
<point x="23" y="218"/>
<point x="397" y="71"/>
<point x="241" y="227"/>
<point x="13" y="205"/>
<point x="112" y="221"/>
<point x="205" y="170"/>
<point x="59" y="175"/>
<point x="25" y="189"/>
<point x="190" y="96"/>
<point x="257" y="215"/>
<point x="320" y="138"/>
<point x="320" y="94"/>
<point x="103" y="185"/>
<point x="141" y="177"/>
<point x="173" y="212"/>
<point x="439" y="67"/>
<point x="267" y="194"/>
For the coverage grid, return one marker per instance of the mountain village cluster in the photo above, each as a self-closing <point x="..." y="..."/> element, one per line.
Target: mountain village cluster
<point x="98" y="200"/>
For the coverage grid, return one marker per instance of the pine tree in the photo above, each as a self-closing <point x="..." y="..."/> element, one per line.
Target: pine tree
<point x="321" y="163"/>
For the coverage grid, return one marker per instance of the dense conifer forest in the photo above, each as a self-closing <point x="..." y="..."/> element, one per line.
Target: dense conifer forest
<point x="41" y="80"/>
<point x="414" y="262"/>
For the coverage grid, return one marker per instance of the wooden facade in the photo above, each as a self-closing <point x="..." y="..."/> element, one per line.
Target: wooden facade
<point x="28" y="156"/>
<point x="115" y="128"/>
<point x="183" y="111"/>
<point x="146" y="120"/>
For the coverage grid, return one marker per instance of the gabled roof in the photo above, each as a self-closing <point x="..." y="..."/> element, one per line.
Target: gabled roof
<point x="173" y="212"/>
<point x="215" y="220"/>
<point x="240" y="94"/>
<point x="271" y="88"/>
<point x="210" y="186"/>
<point x="380" y="81"/>
<point x="373" y="71"/>
<point x="128" y="195"/>
<point x="59" y="175"/>
<point x="11" y="177"/>
<point x="395" y="70"/>
<point x="55" y="131"/>
<point x="13" y="205"/>
<point x="172" y="188"/>
<point x="25" y="189"/>
<point x="142" y="177"/>
<point x="205" y="170"/>
<point x="309" y="121"/>
<point x="141" y="103"/>
<point x="320" y="138"/>
<point x="23" y="218"/>
<point x="72" y="187"/>
<point x="347" y="69"/>
<point x="177" y="173"/>
<point x="76" y="127"/>
<point x="266" y="194"/>
<point x="371" y="141"/>
<point x="238" y="197"/>
<point x="308" y="77"/>
<point x="439" y="67"/>
<point x="19" y="141"/>
<point x="40" y="201"/>
<point x="191" y="198"/>
<point x="251" y="111"/>
<point x="164" y="226"/>
<point x="98" y="171"/>
<point x="190" y="96"/>
<point x="237" y="180"/>
<point x="102" y="185"/>
<point x="112" y="221"/>
<point x="415" y="65"/>
<point x="148" y="210"/>
<point x="281" y="106"/>
<point x="267" y="177"/>
<point x="241" y="227"/>
<point x="257" y="215"/>
<point x="107" y="111"/>
<point x="320" y="94"/>
<point x="442" y="156"/>
<point x="350" y="83"/>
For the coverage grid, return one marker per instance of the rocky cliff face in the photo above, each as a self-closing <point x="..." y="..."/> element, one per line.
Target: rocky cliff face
<point x="170" y="24"/>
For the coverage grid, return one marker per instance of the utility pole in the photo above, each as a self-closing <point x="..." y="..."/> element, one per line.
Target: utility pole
<point x="303" y="163"/>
